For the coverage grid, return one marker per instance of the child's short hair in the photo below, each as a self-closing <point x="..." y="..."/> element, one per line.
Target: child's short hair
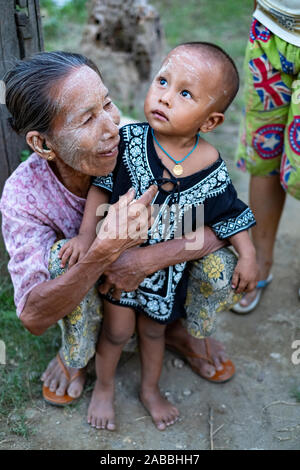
<point x="230" y="74"/>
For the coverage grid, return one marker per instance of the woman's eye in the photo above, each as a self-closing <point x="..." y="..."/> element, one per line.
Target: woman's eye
<point x="88" y="120"/>
<point x="186" y="94"/>
<point x="163" y="82"/>
<point x="108" y="104"/>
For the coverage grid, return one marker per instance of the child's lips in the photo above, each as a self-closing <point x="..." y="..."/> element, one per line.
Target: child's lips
<point x="160" y="115"/>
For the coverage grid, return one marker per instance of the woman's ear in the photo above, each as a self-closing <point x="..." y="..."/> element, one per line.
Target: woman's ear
<point x="39" y="145"/>
<point x="213" y="120"/>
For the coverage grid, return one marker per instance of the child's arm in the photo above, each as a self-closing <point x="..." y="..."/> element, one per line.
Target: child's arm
<point x="77" y="247"/>
<point x="245" y="276"/>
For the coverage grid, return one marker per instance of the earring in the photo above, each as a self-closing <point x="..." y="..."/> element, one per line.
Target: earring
<point x="50" y="157"/>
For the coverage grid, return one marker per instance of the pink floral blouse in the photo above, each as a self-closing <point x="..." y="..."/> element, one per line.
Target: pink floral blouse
<point x="36" y="210"/>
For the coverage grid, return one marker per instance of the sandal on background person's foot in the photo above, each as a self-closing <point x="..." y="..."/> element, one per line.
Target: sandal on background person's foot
<point x="244" y="309"/>
<point x="220" y="376"/>
<point x="61" y="400"/>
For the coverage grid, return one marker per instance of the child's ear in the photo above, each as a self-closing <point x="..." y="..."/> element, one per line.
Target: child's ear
<point x="213" y="120"/>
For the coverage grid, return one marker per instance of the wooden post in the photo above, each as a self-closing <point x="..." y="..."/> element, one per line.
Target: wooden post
<point x="20" y="36"/>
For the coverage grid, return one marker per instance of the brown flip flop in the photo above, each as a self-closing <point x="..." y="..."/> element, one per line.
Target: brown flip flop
<point x="51" y="397"/>
<point x="221" y="376"/>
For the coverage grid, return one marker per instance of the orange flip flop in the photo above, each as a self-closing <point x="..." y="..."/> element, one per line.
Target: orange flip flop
<point x="51" y="397"/>
<point x="221" y="376"/>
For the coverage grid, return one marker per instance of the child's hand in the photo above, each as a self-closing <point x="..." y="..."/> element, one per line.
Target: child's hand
<point x="246" y="274"/>
<point x="74" y="250"/>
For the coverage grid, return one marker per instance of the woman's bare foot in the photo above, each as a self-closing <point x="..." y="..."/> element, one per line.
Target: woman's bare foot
<point x="55" y="379"/>
<point x="161" y="410"/>
<point x="101" y="414"/>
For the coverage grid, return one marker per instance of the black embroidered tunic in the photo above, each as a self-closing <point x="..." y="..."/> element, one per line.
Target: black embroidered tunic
<point x="162" y="294"/>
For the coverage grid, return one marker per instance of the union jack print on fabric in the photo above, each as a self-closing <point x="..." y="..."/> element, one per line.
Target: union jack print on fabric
<point x="272" y="91"/>
<point x="259" y="31"/>
<point x="287" y="66"/>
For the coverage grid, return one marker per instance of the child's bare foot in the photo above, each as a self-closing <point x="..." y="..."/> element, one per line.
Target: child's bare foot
<point x="161" y="410"/>
<point x="101" y="414"/>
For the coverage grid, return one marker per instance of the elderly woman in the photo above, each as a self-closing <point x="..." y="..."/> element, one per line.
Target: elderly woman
<point x="59" y="102"/>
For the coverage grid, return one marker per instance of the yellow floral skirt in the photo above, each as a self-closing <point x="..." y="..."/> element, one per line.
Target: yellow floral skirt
<point x="209" y="292"/>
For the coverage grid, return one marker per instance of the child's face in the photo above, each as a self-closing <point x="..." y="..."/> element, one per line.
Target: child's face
<point x="183" y="94"/>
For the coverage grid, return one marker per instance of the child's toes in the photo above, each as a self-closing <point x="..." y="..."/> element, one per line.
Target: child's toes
<point x="110" y="425"/>
<point x="161" y="425"/>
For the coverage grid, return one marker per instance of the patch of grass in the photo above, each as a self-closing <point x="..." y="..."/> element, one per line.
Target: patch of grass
<point x="26" y="359"/>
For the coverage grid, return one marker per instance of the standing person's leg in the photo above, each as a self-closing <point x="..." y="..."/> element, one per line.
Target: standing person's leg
<point x="117" y="328"/>
<point x="269" y="76"/>
<point x="267" y="199"/>
<point x="152" y="347"/>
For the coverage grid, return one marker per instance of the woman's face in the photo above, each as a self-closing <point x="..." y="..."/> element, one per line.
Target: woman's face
<point x="85" y="133"/>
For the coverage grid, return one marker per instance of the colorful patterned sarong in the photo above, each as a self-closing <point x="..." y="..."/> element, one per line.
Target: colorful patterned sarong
<point x="270" y="131"/>
<point x="209" y="292"/>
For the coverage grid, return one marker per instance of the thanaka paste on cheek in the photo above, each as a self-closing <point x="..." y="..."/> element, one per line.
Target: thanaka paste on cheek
<point x="76" y="144"/>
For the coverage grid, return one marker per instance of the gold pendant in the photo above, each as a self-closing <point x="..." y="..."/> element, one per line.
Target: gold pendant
<point x="177" y="170"/>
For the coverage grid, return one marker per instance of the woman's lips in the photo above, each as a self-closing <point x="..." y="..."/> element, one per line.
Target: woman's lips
<point x="159" y="115"/>
<point x="109" y="153"/>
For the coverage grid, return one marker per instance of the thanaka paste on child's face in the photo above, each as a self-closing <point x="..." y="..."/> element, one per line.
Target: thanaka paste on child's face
<point x="86" y="124"/>
<point x="183" y="70"/>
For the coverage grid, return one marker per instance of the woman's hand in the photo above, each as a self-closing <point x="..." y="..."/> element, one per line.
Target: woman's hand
<point x="125" y="274"/>
<point x="126" y="223"/>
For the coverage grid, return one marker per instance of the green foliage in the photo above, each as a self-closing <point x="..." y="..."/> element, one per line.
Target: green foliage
<point x="62" y="26"/>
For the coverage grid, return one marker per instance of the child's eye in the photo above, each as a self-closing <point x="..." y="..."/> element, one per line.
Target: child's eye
<point x="186" y="94"/>
<point x="163" y="82"/>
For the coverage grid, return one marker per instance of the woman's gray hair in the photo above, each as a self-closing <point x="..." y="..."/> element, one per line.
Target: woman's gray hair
<point x="29" y="84"/>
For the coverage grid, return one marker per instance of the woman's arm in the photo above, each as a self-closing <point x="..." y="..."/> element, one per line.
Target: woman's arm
<point x="77" y="247"/>
<point x="52" y="300"/>
<point x="131" y="268"/>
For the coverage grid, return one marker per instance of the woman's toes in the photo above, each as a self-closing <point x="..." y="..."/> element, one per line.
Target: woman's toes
<point x="53" y="385"/>
<point x="208" y="370"/>
<point x="75" y="388"/>
<point x="217" y="363"/>
<point x="61" y="390"/>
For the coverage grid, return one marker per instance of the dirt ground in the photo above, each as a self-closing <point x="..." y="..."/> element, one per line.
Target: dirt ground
<point x="253" y="411"/>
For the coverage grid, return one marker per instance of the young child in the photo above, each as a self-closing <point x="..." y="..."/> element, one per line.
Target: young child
<point x="190" y="94"/>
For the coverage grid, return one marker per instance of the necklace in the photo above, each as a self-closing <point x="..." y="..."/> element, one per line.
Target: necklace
<point x="177" y="169"/>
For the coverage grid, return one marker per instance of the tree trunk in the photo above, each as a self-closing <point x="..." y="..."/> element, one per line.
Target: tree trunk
<point x="20" y="36"/>
<point x="125" y="39"/>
